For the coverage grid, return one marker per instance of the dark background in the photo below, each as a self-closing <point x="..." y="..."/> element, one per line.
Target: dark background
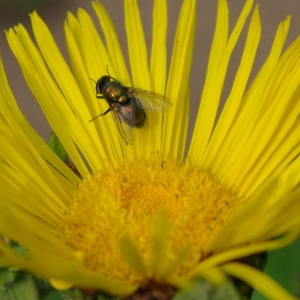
<point x="285" y="264"/>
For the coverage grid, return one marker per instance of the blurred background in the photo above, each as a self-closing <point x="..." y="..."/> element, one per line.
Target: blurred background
<point x="283" y="265"/>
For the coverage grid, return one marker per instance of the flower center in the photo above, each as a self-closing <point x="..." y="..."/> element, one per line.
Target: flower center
<point x="126" y="202"/>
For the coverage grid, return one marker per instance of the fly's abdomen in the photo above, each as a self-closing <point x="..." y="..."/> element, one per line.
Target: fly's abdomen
<point x="133" y="115"/>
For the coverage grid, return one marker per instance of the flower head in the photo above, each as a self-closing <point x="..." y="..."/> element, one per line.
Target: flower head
<point x="135" y="215"/>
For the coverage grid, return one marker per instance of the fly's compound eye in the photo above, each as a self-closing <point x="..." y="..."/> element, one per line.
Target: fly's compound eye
<point x="101" y="83"/>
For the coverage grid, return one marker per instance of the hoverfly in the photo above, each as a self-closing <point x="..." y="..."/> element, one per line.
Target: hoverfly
<point x="128" y="104"/>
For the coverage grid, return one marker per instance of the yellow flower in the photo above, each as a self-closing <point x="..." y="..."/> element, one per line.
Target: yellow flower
<point x="147" y="213"/>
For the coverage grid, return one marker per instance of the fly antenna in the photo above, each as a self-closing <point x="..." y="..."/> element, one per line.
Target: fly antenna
<point x="107" y="70"/>
<point x="93" y="80"/>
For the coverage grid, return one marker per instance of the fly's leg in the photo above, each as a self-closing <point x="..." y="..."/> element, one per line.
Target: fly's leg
<point x="100" y="115"/>
<point x="105" y="112"/>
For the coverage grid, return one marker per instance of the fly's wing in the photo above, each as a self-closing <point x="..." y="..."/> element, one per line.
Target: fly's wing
<point x="121" y="122"/>
<point x="149" y="100"/>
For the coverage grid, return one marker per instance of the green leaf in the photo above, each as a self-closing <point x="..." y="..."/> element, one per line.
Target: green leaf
<point x="17" y="286"/>
<point x="203" y="290"/>
<point x="7" y="277"/>
<point x="103" y="297"/>
<point x="18" y="249"/>
<point x="43" y="287"/>
<point x="83" y="294"/>
<point x="73" y="294"/>
<point x="57" y="147"/>
<point x="54" y="295"/>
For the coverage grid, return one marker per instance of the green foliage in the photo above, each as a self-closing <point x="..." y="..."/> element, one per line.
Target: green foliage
<point x="57" y="147"/>
<point x="205" y="291"/>
<point x="17" y="285"/>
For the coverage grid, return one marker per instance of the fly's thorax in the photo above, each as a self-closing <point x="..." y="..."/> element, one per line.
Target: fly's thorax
<point x="115" y="92"/>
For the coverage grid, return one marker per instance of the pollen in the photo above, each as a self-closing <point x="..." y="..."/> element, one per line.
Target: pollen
<point x="125" y="202"/>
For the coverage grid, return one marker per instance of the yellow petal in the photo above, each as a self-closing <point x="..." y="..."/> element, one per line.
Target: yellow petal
<point x="260" y="281"/>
